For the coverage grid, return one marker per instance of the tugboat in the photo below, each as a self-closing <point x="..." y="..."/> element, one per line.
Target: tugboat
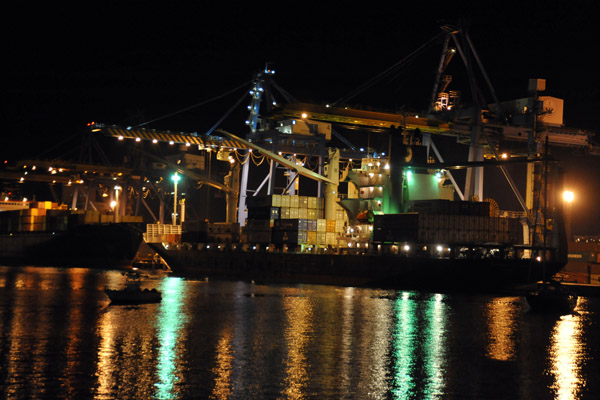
<point x="133" y="293"/>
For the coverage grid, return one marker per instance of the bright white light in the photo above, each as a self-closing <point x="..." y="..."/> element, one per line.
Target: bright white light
<point x="568" y="196"/>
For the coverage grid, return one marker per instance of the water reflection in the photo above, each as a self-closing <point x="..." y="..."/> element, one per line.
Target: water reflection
<point x="126" y="350"/>
<point x="404" y="344"/>
<point x="375" y="342"/>
<point x="298" y="334"/>
<point x="224" y="367"/>
<point x="59" y="338"/>
<point x="501" y="315"/>
<point x="418" y="347"/>
<point x="567" y="352"/>
<point x="435" y="345"/>
<point x="170" y="322"/>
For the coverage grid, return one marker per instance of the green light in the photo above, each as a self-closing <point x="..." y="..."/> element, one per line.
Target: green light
<point x="175" y="177"/>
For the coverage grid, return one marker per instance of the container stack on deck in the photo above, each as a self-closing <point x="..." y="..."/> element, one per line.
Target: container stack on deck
<point x="194" y="232"/>
<point x="441" y="221"/>
<point x="45" y="216"/>
<point x="291" y="220"/>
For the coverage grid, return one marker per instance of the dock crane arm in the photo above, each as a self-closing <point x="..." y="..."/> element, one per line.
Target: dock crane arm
<point x="281" y="160"/>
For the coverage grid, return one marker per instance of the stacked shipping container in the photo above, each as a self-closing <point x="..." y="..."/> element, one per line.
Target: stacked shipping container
<point x="45" y="216"/>
<point x="291" y="220"/>
<point x="449" y="223"/>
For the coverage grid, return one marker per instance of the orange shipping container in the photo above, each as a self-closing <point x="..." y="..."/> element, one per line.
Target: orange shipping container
<point x="330" y="225"/>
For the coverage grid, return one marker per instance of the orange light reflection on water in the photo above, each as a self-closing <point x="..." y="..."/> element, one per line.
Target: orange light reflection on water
<point x="224" y="367"/>
<point x="298" y="335"/>
<point x="501" y="318"/>
<point x="566" y="354"/>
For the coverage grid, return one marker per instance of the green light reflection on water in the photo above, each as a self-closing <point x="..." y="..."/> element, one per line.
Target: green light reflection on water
<point x="436" y="318"/>
<point x="410" y="342"/>
<point x="170" y="320"/>
<point x="404" y="347"/>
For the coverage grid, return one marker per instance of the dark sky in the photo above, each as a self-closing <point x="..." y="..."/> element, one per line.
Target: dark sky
<point x="119" y="64"/>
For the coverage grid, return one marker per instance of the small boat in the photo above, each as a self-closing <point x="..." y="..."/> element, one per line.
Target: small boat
<point x="552" y="297"/>
<point x="133" y="294"/>
<point x="150" y="264"/>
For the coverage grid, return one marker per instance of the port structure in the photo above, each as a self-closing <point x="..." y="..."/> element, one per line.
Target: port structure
<point x="297" y="133"/>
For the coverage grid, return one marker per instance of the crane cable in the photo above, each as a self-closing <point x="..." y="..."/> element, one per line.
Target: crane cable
<point x="197" y="105"/>
<point x="388" y="71"/>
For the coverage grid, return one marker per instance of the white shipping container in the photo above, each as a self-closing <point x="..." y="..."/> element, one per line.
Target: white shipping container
<point x="303" y="201"/>
<point x="321" y="225"/>
<point x="302" y="212"/>
<point x="294" y="213"/>
<point x="331" y="238"/>
<point x="321" y="238"/>
<point x="294" y="201"/>
<point x="276" y="200"/>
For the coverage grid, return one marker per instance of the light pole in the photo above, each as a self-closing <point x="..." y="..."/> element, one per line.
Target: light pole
<point x="117" y="189"/>
<point x="175" y="178"/>
<point x="568" y="197"/>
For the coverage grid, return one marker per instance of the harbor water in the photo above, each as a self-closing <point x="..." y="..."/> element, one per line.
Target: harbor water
<point x="61" y="339"/>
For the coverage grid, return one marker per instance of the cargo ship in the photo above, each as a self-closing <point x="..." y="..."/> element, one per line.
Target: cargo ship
<point x="431" y="243"/>
<point x="44" y="234"/>
<point x="387" y="212"/>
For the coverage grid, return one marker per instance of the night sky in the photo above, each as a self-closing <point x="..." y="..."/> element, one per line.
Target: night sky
<point x="142" y="63"/>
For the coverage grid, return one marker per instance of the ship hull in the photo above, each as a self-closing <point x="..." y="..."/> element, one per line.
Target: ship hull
<point x="92" y="246"/>
<point x="385" y="271"/>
